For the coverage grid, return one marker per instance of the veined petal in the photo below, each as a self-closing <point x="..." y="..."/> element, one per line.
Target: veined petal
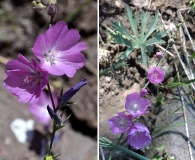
<point x="25" y="80"/>
<point x="59" y="52"/>
<point x="71" y="38"/>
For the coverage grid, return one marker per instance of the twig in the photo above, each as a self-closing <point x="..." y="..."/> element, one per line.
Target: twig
<point x="149" y="3"/>
<point x="183" y="41"/>
<point x="185" y="27"/>
<point x="3" y="60"/>
<point x="102" y="153"/>
<point x="168" y="52"/>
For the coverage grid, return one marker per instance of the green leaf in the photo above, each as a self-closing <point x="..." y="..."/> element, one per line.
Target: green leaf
<point x="152" y="27"/>
<point x="192" y="57"/>
<point x="144" y="19"/>
<point x="149" y="49"/>
<point x="132" y="22"/>
<point x="175" y="84"/>
<point x="114" y="66"/>
<point x="106" y="143"/>
<point x="157" y="39"/>
<point x="144" y="57"/>
<point x="157" y="131"/>
<point x="125" y="54"/>
<point x="120" y="28"/>
<point x="120" y="39"/>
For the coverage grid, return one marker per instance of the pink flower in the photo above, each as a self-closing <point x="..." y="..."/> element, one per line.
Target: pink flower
<point x="39" y="109"/>
<point x="156" y="75"/>
<point x="25" y="79"/>
<point x="143" y="92"/>
<point x="120" y="124"/>
<point x="136" y="105"/>
<point x="139" y="136"/>
<point x="59" y="51"/>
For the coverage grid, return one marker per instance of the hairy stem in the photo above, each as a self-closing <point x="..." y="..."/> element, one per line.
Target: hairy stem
<point x="52" y="138"/>
<point x="50" y="94"/>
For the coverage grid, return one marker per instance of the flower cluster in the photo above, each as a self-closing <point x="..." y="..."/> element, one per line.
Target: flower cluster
<point x="59" y="53"/>
<point x="138" y="134"/>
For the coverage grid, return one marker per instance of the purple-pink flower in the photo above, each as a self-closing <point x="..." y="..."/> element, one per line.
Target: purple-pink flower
<point x="39" y="109"/>
<point x="59" y="51"/>
<point x="25" y="79"/>
<point x="136" y="105"/>
<point x="139" y="136"/>
<point x="120" y="124"/>
<point x="156" y="75"/>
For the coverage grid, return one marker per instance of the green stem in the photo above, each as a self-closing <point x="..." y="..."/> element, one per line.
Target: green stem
<point x="54" y="128"/>
<point x="115" y="66"/>
<point x="114" y="148"/>
<point x="130" y="153"/>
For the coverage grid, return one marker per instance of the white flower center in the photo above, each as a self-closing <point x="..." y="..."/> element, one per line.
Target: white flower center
<point x="51" y="56"/>
<point x="123" y="123"/>
<point x="134" y="107"/>
<point x="28" y="79"/>
<point x="33" y="79"/>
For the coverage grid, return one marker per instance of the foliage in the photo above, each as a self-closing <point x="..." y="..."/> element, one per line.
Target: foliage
<point x="106" y="143"/>
<point x="148" y="36"/>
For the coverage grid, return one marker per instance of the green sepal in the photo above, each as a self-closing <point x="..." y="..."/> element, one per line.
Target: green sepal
<point x="49" y="157"/>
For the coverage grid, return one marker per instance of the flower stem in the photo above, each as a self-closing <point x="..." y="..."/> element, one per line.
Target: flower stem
<point x="52" y="138"/>
<point x="50" y="94"/>
<point x="115" y="146"/>
<point x="54" y="128"/>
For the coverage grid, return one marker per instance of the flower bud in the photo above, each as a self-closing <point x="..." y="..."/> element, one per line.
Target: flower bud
<point x="55" y="118"/>
<point x="34" y="3"/>
<point x="159" y="55"/>
<point x="71" y="92"/>
<point x="143" y="92"/>
<point x="52" y="10"/>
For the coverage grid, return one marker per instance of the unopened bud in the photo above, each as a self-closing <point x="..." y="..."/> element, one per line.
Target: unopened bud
<point x="54" y="116"/>
<point x="143" y="92"/>
<point x="52" y="10"/>
<point x="159" y="55"/>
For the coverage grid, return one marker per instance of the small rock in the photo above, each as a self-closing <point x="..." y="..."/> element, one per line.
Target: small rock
<point x="107" y="79"/>
<point x="22" y="129"/>
<point x="140" y="3"/>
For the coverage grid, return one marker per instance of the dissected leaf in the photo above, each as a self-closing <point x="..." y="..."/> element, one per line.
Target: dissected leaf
<point x="148" y="36"/>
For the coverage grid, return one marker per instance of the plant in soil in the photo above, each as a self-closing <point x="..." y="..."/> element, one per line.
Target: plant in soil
<point x="59" y="53"/>
<point x="129" y="122"/>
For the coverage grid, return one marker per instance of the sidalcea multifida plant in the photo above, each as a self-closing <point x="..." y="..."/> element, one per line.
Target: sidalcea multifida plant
<point x="127" y="123"/>
<point x="59" y="53"/>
